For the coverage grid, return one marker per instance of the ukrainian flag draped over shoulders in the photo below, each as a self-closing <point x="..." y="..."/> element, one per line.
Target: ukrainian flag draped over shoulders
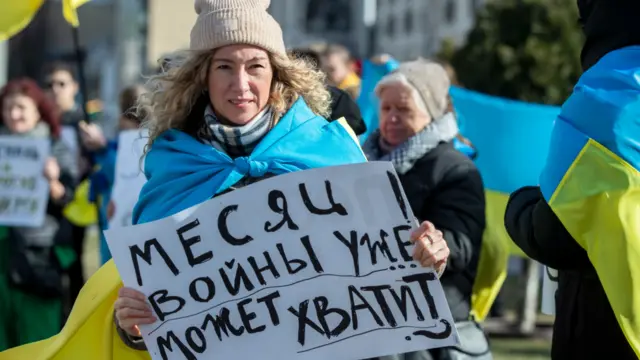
<point x="592" y="178"/>
<point x="300" y="140"/>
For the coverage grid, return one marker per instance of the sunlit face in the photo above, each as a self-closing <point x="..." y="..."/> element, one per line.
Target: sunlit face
<point x="336" y="68"/>
<point x="400" y="116"/>
<point x="239" y="82"/>
<point x="62" y="89"/>
<point x="20" y="113"/>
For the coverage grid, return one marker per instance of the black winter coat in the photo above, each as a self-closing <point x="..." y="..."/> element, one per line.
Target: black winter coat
<point x="445" y="188"/>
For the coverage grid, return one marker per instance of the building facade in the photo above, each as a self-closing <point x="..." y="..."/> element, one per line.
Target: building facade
<point x="403" y="28"/>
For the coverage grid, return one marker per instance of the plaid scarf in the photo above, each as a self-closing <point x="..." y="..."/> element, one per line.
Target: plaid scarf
<point x="406" y="154"/>
<point x="238" y="141"/>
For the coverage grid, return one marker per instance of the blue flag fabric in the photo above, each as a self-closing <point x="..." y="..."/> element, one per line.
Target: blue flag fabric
<point x="367" y="101"/>
<point x="183" y="172"/>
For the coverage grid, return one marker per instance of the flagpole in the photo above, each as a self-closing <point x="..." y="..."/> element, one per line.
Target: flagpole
<point x="81" y="78"/>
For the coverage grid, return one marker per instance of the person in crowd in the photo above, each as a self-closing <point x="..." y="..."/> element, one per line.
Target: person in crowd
<point x="222" y="117"/>
<point x="103" y="178"/>
<point x="62" y="87"/>
<point x="342" y="104"/>
<point x="31" y="258"/>
<point x="443" y="185"/>
<point x="604" y="105"/>
<point x="337" y="63"/>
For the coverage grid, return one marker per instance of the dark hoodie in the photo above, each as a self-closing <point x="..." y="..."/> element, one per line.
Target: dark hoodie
<point x="608" y="25"/>
<point x="585" y="326"/>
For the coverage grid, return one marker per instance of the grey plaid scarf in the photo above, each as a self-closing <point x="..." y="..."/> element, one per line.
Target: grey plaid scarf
<point x="406" y="154"/>
<point x="238" y="141"/>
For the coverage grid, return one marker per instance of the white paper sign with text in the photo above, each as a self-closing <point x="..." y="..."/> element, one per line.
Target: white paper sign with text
<point x="24" y="191"/>
<point x="308" y="265"/>
<point x="549" y="288"/>
<point x="129" y="177"/>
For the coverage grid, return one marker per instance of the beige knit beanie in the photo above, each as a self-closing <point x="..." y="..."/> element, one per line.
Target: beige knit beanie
<point x="230" y="22"/>
<point x="432" y="83"/>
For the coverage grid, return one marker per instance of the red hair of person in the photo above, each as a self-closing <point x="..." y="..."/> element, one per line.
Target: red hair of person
<point x="49" y="114"/>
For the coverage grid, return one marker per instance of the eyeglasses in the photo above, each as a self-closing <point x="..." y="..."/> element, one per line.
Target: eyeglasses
<point x="52" y="84"/>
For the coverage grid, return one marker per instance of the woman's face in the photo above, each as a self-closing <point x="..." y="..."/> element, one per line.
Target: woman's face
<point x="400" y="116"/>
<point x="20" y="113"/>
<point x="239" y="82"/>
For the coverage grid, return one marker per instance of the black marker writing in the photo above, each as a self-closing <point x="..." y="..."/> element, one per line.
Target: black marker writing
<point x="363" y="305"/>
<point x="333" y="206"/>
<point x="240" y="279"/>
<point x="268" y="267"/>
<point x="162" y="297"/>
<point x="210" y="289"/>
<point x="423" y="280"/>
<point x="378" y="246"/>
<point x="276" y="196"/>
<point x="188" y="243"/>
<point x="146" y="256"/>
<point x="164" y="344"/>
<point x="397" y="191"/>
<point x="224" y="229"/>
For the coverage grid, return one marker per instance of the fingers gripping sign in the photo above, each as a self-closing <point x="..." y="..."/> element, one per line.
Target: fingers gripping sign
<point x="431" y="249"/>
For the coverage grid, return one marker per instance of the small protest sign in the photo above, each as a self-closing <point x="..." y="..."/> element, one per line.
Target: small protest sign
<point x="129" y="177"/>
<point x="24" y="191"/>
<point x="549" y="288"/>
<point x="309" y="265"/>
<point x="69" y="137"/>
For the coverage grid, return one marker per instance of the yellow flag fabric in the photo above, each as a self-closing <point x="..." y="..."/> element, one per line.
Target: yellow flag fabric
<point x="496" y="249"/>
<point x="592" y="179"/>
<point x="69" y="10"/>
<point x="598" y="201"/>
<point x="80" y="211"/>
<point x="15" y="15"/>
<point x="89" y="332"/>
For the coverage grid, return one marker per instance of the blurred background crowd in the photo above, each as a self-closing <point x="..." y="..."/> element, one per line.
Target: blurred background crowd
<point x="524" y="50"/>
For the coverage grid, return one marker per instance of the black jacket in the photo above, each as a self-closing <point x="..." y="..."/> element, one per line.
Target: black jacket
<point x="342" y="105"/>
<point x="585" y="325"/>
<point x="608" y="25"/>
<point x="445" y="188"/>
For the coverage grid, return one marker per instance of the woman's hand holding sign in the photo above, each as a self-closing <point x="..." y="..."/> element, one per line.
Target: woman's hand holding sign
<point x="431" y="248"/>
<point x="132" y="310"/>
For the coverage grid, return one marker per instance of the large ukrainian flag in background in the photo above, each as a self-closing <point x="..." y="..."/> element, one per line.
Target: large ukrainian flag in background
<point x="592" y="178"/>
<point x="512" y="139"/>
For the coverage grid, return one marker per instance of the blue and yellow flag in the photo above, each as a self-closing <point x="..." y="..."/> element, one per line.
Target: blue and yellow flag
<point x="512" y="139"/>
<point x="592" y="178"/>
<point x="70" y="11"/>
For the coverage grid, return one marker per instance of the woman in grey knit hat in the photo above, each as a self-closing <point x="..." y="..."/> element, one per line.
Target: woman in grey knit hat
<point x="442" y="184"/>
<point x="232" y="98"/>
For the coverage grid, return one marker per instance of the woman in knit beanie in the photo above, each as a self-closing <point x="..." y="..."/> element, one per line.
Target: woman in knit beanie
<point x="443" y="186"/>
<point x="221" y="117"/>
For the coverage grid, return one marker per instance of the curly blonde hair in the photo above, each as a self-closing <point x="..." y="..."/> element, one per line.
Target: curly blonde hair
<point x="182" y="80"/>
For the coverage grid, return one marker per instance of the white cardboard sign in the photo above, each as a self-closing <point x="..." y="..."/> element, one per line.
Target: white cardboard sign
<point x="24" y="191"/>
<point x="308" y="265"/>
<point x="129" y="177"/>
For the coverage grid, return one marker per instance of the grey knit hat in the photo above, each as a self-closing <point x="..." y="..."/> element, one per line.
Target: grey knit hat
<point x="431" y="82"/>
<point x="230" y="22"/>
